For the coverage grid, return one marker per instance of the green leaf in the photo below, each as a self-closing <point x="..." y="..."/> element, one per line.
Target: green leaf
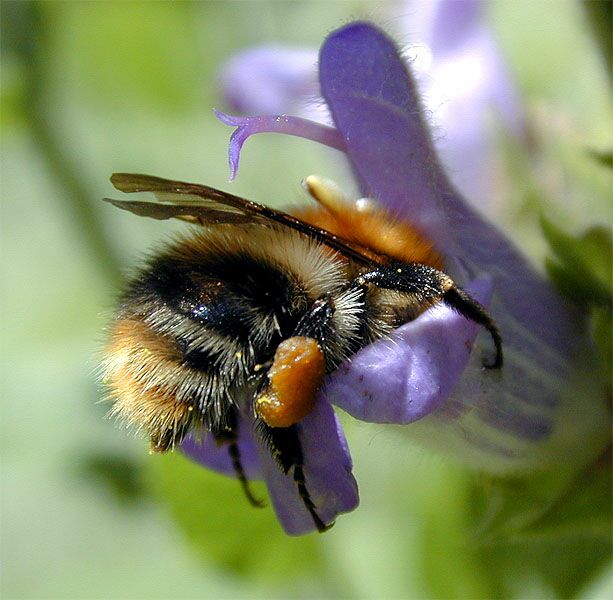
<point x="602" y="326"/>
<point x="604" y="157"/>
<point x="222" y="527"/>
<point x="121" y="475"/>
<point x="582" y="266"/>
<point x="549" y="533"/>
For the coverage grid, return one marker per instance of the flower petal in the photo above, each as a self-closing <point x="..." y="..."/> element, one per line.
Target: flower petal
<point x="271" y="79"/>
<point x="527" y="414"/>
<point x="327" y="470"/>
<point x="375" y="106"/>
<point x="445" y="25"/>
<point x="247" y="126"/>
<point x="410" y="374"/>
<point x="212" y="455"/>
<point x="466" y="86"/>
<point x="458" y="37"/>
<point x="378" y="112"/>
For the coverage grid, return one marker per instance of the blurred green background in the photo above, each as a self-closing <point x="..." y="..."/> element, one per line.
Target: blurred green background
<point x="89" y="88"/>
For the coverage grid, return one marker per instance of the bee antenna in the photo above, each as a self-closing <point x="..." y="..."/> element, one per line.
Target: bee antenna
<point x="468" y="307"/>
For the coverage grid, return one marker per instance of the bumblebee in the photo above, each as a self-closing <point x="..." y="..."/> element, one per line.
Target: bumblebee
<point x="250" y="311"/>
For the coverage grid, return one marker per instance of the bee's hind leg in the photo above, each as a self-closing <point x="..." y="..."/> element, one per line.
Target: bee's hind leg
<point x="283" y="441"/>
<point x="285" y="447"/>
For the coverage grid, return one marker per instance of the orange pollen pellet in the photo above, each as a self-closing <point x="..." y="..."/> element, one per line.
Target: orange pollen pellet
<point x="294" y="379"/>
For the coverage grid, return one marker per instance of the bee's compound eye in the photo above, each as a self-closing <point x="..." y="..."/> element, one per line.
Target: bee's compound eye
<point x="294" y="380"/>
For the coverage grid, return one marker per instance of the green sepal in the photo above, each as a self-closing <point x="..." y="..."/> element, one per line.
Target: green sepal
<point x="582" y="269"/>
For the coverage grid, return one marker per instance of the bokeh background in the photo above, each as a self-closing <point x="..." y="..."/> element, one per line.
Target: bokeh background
<point x="89" y="88"/>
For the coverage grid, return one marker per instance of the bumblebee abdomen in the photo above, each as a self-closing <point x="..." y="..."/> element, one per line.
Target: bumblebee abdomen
<point x="203" y="316"/>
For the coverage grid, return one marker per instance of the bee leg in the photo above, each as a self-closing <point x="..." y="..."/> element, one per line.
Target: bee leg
<point x="284" y="444"/>
<point x="306" y="499"/>
<point x="428" y="285"/>
<point x="240" y="474"/>
<point x="229" y="436"/>
<point x="315" y="324"/>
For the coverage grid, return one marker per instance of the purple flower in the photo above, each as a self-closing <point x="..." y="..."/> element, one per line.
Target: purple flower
<point x="464" y="82"/>
<point x="263" y="79"/>
<point x="429" y="372"/>
<point x="466" y="87"/>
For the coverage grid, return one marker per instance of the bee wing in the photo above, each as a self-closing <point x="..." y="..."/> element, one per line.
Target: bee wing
<point x="186" y="201"/>
<point x="209" y="206"/>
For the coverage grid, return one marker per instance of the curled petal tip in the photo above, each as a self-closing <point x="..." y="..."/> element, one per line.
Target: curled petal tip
<point x="295" y="126"/>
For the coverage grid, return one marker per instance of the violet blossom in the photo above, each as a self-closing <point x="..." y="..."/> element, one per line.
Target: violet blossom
<point x="540" y="410"/>
<point x="466" y="88"/>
